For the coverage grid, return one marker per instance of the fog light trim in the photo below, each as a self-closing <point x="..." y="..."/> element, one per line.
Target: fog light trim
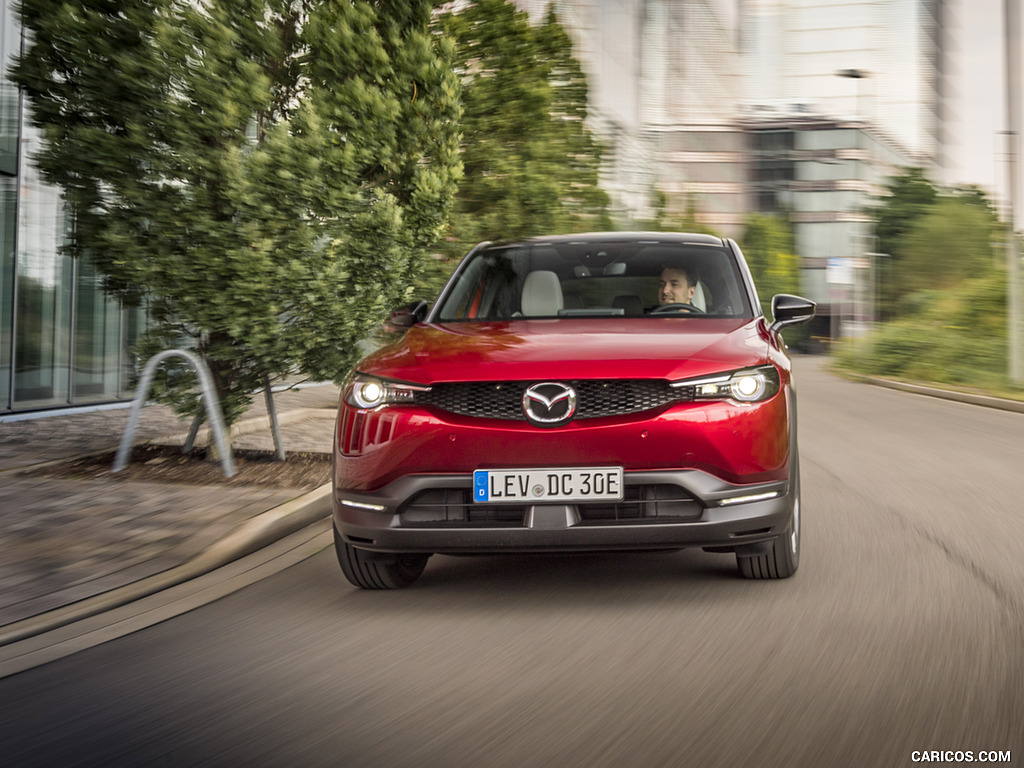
<point x="363" y="505"/>
<point x="748" y="499"/>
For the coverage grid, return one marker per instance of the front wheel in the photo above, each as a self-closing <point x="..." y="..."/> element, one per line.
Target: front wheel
<point x="370" y="570"/>
<point x="783" y="558"/>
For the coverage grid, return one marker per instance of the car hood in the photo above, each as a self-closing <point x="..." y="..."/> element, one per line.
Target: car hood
<point x="592" y="348"/>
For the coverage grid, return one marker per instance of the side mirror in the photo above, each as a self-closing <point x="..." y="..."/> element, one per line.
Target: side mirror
<point x="409" y="315"/>
<point x="790" y="310"/>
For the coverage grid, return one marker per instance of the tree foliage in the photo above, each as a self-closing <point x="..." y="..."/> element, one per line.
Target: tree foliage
<point x="944" y="289"/>
<point x="767" y="245"/>
<point x="768" y="248"/>
<point x="908" y="196"/>
<point x="950" y="243"/>
<point x="531" y="163"/>
<point x="952" y="337"/>
<point x="262" y="174"/>
<point x="932" y="239"/>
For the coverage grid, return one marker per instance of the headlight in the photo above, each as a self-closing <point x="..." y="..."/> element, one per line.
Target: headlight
<point x="369" y="392"/>
<point x="747" y="386"/>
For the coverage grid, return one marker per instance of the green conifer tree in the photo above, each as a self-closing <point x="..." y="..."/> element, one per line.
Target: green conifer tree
<point x="531" y="163"/>
<point x="263" y="174"/>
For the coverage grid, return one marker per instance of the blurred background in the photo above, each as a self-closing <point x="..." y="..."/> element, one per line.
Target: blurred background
<point x="861" y="153"/>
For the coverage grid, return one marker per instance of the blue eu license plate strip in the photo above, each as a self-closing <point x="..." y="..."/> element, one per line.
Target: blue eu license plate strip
<point x="495" y="486"/>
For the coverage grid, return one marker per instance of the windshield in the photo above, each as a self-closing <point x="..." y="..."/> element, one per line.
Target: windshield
<point x="596" y="279"/>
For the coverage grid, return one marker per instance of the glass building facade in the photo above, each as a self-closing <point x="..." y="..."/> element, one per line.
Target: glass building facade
<point x="807" y="51"/>
<point x="825" y="176"/>
<point x="62" y="341"/>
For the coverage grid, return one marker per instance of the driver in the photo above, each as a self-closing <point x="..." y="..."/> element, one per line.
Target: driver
<point x="677" y="285"/>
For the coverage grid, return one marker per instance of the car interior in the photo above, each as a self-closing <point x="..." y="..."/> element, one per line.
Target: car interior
<point x="591" y="280"/>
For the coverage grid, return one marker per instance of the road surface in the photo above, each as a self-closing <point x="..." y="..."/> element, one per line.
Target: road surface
<point x="901" y="634"/>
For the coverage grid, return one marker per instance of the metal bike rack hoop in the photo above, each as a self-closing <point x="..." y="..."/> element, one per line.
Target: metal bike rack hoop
<point x="210" y="400"/>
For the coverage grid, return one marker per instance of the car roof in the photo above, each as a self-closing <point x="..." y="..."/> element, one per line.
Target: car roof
<point x="616" y="237"/>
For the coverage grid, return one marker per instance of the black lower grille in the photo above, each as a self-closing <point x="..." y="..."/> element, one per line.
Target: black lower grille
<point x="595" y="398"/>
<point x="454" y="507"/>
<point x="643" y="504"/>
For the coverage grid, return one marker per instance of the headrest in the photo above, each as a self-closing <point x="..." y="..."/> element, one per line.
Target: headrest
<point x="542" y="294"/>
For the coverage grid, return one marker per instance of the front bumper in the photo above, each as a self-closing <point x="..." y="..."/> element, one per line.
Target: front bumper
<point x="716" y="514"/>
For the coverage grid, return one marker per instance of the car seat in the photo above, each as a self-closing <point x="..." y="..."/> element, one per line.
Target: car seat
<point x="542" y="294"/>
<point x="700" y="297"/>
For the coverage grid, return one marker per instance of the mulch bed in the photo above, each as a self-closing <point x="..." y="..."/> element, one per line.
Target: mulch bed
<point x="167" y="464"/>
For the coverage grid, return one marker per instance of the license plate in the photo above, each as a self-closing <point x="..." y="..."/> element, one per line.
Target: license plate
<point x="547" y="485"/>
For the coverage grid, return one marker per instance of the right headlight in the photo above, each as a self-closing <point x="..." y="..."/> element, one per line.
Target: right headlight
<point x="369" y="392"/>
<point x="751" y="385"/>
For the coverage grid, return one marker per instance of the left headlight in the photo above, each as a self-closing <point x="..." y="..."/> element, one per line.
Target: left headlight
<point x="369" y="392"/>
<point x="751" y="385"/>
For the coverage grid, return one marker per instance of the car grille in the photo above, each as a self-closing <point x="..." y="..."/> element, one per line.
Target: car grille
<point x="454" y="507"/>
<point x="595" y="398"/>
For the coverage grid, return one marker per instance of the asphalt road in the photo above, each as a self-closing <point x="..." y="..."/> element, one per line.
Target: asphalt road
<point x="902" y="632"/>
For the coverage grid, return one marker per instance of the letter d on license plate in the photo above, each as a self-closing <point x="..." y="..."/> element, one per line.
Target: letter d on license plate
<point x="541" y="486"/>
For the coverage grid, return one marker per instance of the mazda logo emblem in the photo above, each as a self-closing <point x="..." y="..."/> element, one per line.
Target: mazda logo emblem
<point x="549" y="404"/>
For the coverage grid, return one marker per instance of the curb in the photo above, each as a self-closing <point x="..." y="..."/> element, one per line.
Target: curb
<point x="985" y="401"/>
<point x="257" y="533"/>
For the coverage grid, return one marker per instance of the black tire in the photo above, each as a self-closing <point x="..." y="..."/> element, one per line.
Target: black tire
<point x="783" y="558"/>
<point x="370" y="570"/>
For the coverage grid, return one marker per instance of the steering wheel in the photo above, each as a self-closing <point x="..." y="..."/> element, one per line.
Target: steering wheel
<point x="676" y="306"/>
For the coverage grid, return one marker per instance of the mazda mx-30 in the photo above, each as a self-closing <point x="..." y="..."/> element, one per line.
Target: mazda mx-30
<point x="614" y="391"/>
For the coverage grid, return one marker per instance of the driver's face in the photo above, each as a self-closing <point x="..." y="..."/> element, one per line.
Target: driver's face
<point x="674" y="287"/>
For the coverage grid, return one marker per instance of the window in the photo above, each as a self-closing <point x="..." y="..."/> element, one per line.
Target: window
<point x="587" y="280"/>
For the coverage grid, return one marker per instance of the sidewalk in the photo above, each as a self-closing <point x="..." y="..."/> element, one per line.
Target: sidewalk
<point x="73" y="547"/>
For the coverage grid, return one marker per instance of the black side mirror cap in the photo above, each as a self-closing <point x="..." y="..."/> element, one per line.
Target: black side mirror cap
<point x="408" y="315"/>
<point x="791" y="310"/>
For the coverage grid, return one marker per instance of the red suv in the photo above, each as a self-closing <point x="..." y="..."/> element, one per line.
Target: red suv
<point x="616" y="391"/>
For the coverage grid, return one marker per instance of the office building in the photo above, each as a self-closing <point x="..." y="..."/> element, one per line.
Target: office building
<point x="801" y="108"/>
<point x="62" y="341"/>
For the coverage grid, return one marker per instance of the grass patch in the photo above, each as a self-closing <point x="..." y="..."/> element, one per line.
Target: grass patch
<point x="954" y="339"/>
